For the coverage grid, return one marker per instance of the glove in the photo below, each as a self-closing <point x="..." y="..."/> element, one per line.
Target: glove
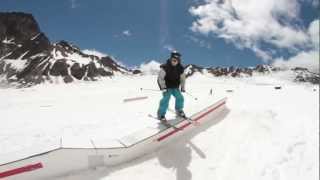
<point x="163" y="90"/>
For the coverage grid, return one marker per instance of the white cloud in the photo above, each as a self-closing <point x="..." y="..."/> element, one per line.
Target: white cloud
<point x="308" y="60"/>
<point x="127" y="33"/>
<point x="264" y="26"/>
<point x="151" y="67"/>
<point x="94" y="52"/>
<point x="314" y="33"/>
<point x="251" y="22"/>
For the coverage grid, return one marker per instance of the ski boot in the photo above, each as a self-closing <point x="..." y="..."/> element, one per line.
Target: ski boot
<point x="180" y="113"/>
<point x="163" y="119"/>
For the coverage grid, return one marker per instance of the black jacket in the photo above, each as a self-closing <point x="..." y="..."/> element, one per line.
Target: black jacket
<point x="172" y="77"/>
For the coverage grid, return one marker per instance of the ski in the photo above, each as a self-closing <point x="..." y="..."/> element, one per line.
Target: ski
<point x="193" y="122"/>
<point x="167" y="124"/>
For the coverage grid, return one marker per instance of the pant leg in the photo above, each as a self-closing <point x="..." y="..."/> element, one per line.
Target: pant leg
<point x="179" y="99"/>
<point x="164" y="103"/>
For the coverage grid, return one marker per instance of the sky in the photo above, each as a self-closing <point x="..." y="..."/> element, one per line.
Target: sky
<point x="206" y="32"/>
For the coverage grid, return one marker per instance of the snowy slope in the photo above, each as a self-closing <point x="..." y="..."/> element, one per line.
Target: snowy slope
<point x="266" y="133"/>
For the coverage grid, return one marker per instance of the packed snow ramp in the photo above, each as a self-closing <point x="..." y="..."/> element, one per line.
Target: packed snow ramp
<point x="64" y="159"/>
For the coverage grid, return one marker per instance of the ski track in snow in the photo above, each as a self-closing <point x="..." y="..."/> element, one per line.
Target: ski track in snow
<point x="266" y="134"/>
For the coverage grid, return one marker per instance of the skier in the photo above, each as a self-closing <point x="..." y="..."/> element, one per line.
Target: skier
<point x="170" y="78"/>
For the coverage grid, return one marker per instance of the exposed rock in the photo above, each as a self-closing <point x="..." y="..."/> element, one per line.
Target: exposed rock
<point x="136" y="71"/>
<point x="304" y="75"/>
<point x="78" y="71"/>
<point x="219" y="71"/>
<point x="28" y="57"/>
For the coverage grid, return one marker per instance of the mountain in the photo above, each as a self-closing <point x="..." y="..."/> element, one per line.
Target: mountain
<point x="230" y="71"/>
<point x="304" y="75"/>
<point x="28" y="57"/>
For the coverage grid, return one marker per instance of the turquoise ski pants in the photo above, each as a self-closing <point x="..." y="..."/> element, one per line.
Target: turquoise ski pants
<point x="164" y="102"/>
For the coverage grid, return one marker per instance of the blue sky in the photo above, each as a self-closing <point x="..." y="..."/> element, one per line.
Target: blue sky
<point x="137" y="31"/>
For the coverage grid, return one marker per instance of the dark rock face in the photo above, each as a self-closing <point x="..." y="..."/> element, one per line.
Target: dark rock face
<point x="28" y="57"/>
<point x="78" y="71"/>
<point x="16" y="28"/>
<point x="136" y="71"/>
<point x="220" y="71"/>
<point x="21" y="26"/>
<point x="304" y="75"/>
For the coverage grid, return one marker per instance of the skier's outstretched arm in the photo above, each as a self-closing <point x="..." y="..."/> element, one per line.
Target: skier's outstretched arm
<point x="161" y="81"/>
<point x="183" y="82"/>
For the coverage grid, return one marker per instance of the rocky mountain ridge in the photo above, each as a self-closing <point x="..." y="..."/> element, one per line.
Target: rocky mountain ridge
<point x="27" y="57"/>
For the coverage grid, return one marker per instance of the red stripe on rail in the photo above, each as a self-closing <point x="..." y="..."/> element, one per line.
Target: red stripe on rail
<point x="187" y="124"/>
<point x="20" y="170"/>
<point x="208" y="112"/>
<point x="173" y="132"/>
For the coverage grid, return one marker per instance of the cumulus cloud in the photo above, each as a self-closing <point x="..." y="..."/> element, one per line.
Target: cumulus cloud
<point x="127" y="33"/>
<point x="94" y="52"/>
<point x="151" y="67"/>
<point x="314" y="33"/>
<point x="308" y="59"/>
<point x="264" y="26"/>
<point x="251" y="22"/>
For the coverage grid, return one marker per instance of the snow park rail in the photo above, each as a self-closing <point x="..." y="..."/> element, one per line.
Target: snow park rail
<point x="65" y="160"/>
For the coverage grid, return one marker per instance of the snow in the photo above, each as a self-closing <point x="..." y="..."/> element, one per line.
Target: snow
<point x="18" y="64"/>
<point x="266" y="133"/>
<point x="94" y="52"/>
<point x="34" y="37"/>
<point x="75" y="57"/>
<point x="78" y="58"/>
<point x="8" y="41"/>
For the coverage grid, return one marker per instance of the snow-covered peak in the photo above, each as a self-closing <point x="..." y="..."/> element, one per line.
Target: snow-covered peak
<point x="74" y="56"/>
<point x="94" y="53"/>
<point x="150" y="67"/>
<point x="67" y="45"/>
